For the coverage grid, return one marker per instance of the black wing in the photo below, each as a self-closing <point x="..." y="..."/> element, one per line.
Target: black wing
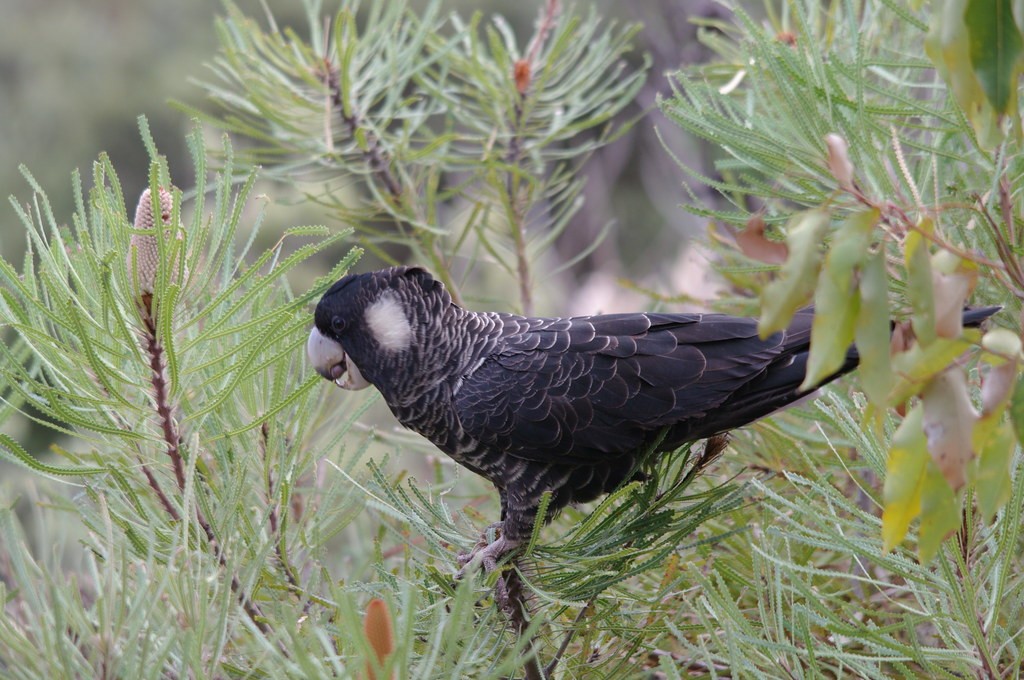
<point x="588" y="389"/>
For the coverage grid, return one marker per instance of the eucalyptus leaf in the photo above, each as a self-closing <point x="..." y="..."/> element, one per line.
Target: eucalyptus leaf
<point x="797" y="277"/>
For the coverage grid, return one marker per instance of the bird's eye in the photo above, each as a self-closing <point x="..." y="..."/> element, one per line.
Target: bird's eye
<point x="338" y="325"/>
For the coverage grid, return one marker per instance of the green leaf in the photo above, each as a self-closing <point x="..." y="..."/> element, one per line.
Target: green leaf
<point x="1017" y="409"/>
<point x="948" y="45"/>
<point x="919" y="283"/>
<point x="919" y="364"/>
<point x="836" y="307"/>
<point x="940" y="513"/>
<point x="915" y="487"/>
<point x="872" y="333"/>
<point x="994" y="478"/>
<point x="995" y="48"/>
<point x="13" y="452"/>
<point x="1003" y="342"/>
<point x="797" y="278"/>
<point x="904" y="478"/>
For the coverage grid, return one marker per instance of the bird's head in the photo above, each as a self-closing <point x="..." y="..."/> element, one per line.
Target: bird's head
<point x="368" y="326"/>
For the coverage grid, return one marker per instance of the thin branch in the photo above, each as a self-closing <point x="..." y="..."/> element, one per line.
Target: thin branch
<point x="1006" y="205"/>
<point x="522" y="72"/>
<point x="573" y="629"/>
<point x="946" y="245"/>
<point x="545" y="23"/>
<point x="1006" y="250"/>
<point x="155" y="485"/>
<point x="151" y="479"/>
<point x="518" y="219"/>
<point x="379" y="164"/>
<point x="275" y="526"/>
<point x="158" y="378"/>
<point x="172" y="438"/>
<point x="511" y="597"/>
<point x="373" y="153"/>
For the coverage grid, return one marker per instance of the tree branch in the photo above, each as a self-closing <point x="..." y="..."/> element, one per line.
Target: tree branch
<point x="158" y="379"/>
<point x="512" y="598"/>
<point x="522" y="74"/>
<point x="172" y="438"/>
<point x="373" y="153"/>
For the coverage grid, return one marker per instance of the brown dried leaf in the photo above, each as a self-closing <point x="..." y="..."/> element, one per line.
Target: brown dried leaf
<point x="902" y="337"/>
<point x="839" y="161"/>
<point x="754" y="244"/>
<point x="948" y="424"/>
<point x="995" y="389"/>
<point x="951" y="284"/>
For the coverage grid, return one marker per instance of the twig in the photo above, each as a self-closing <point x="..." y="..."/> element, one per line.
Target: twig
<point x="518" y="228"/>
<point x="374" y="154"/>
<point x="158" y="378"/>
<point x="522" y="71"/>
<point x="545" y="23"/>
<point x="376" y="158"/>
<point x="151" y="479"/>
<point x="946" y="245"/>
<point x="550" y="668"/>
<point x="275" y="526"/>
<point x="1006" y="206"/>
<point x="511" y="597"/>
<point x="155" y="485"/>
<point x="518" y="217"/>
<point x="172" y="438"/>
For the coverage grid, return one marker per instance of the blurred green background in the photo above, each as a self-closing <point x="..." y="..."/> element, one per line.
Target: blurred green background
<point x="74" y="77"/>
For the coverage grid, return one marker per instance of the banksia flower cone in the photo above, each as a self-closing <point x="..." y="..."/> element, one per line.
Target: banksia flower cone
<point x="143" y="259"/>
<point x="379" y="633"/>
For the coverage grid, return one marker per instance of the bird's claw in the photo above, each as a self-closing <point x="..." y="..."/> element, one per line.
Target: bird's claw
<point x="487" y="554"/>
<point x="465" y="558"/>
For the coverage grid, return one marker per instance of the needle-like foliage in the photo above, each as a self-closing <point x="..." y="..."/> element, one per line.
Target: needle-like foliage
<point x="424" y="130"/>
<point x="212" y="509"/>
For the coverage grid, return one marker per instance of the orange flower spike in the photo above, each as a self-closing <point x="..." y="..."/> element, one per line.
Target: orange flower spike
<point x="380" y="634"/>
<point x="521" y="73"/>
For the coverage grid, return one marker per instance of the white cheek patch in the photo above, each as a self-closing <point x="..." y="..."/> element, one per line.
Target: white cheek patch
<point x="390" y="326"/>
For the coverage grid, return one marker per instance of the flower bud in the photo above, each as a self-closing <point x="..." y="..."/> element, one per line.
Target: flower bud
<point x="379" y="632"/>
<point x="143" y="259"/>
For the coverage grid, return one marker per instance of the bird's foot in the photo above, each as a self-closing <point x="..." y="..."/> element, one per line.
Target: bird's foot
<point x="481" y="543"/>
<point x="508" y="587"/>
<point x="486" y="554"/>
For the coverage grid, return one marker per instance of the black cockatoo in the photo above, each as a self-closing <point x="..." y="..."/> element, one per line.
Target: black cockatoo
<point x="564" y="405"/>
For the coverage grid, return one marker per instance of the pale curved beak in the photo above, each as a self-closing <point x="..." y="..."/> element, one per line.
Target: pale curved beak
<point x="330" y="361"/>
